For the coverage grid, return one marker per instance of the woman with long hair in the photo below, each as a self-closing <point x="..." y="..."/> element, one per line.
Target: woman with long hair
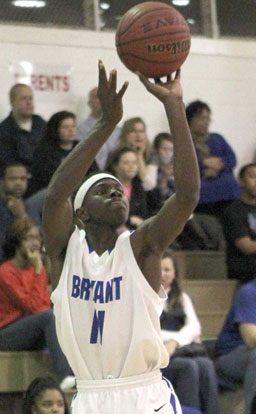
<point x="58" y="142"/>
<point x="26" y="318"/>
<point x="124" y="164"/>
<point x="134" y="135"/>
<point x="192" y="374"/>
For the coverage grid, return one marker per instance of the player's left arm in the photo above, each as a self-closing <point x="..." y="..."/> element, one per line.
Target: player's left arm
<point x="153" y="237"/>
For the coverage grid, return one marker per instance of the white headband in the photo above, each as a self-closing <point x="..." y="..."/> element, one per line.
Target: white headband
<point x="85" y="187"/>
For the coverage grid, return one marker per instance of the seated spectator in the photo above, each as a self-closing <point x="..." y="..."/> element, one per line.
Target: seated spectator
<point x="236" y="344"/>
<point x="133" y="134"/>
<point x="123" y="163"/>
<point x="12" y="205"/>
<point x="57" y="143"/>
<point x="239" y="225"/>
<point x="86" y="126"/>
<point x="193" y="377"/>
<point x="163" y="158"/>
<point x="44" y="396"/>
<point x="216" y="162"/>
<point x="26" y="318"/>
<point x="21" y="131"/>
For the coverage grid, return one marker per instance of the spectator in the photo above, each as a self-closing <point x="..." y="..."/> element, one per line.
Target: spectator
<point x="12" y="205"/>
<point x="163" y="158"/>
<point x="236" y="344"/>
<point x="193" y="377"/>
<point x="44" y="396"/>
<point x="21" y="131"/>
<point x="26" y="319"/>
<point x="216" y="162"/>
<point x="239" y="225"/>
<point x="133" y="134"/>
<point x="57" y="143"/>
<point x="87" y="125"/>
<point x="124" y="165"/>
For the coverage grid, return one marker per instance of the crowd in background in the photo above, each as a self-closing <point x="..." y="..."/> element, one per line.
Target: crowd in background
<point x="225" y="219"/>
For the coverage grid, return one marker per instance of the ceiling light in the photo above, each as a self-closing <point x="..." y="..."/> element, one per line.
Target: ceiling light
<point x="180" y="2"/>
<point x="104" y="6"/>
<point x="29" y="3"/>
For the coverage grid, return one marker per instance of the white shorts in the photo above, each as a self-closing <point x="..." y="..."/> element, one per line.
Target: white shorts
<point x="148" y="393"/>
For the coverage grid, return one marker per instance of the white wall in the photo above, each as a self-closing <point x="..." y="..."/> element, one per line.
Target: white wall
<point x="220" y="72"/>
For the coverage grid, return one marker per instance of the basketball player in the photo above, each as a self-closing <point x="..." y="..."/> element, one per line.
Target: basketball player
<point x="108" y="297"/>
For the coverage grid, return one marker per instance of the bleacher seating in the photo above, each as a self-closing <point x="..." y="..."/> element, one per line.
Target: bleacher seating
<point x="201" y="264"/>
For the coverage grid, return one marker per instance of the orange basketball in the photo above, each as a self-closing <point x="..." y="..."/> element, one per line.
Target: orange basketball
<point x="153" y="38"/>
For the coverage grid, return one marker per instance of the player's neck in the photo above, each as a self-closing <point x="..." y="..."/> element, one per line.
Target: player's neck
<point x="103" y="238"/>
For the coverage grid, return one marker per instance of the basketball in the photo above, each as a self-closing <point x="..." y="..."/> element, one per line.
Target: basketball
<point x="153" y="38"/>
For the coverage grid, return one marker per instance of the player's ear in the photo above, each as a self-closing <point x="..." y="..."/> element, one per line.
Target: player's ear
<point x="82" y="214"/>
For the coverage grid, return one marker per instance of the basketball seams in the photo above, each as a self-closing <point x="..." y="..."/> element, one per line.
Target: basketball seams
<point x="123" y="56"/>
<point x="138" y="39"/>
<point x="139" y="17"/>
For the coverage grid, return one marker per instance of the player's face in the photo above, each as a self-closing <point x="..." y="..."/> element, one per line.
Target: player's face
<point x="248" y="182"/>
<point x="168" y="272"/>
<point x="127" y="167"/>
<point x="67" y="130"/>
<point x="23" y="102"/>
<point x="15" y="181"/>
<point x="138" y="137"/>
<point x="49" y="402"/>
<point x="106" y="203"/>
<point x="165" y="151"/>
<point x="200" y="123"/>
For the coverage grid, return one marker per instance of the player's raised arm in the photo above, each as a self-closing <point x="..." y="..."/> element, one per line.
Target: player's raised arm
<point x="157" y="233"/>
<point x="58" y="213"/>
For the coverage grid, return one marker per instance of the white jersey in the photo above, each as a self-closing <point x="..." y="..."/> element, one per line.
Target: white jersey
<point x="107" y="314"/>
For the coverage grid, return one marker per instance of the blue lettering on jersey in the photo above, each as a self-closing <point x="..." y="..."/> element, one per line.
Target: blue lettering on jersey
<point x="96" y="290"/>
<point x="97" y="326"/>
<point x="76" y="286"/>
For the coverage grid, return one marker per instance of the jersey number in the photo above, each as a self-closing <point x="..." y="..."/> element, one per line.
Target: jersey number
<point x="97" y="327"/>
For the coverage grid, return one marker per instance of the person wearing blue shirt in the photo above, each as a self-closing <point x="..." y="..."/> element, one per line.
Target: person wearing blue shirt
<point x="236" y="344"/>
<point x="216" y="161"/>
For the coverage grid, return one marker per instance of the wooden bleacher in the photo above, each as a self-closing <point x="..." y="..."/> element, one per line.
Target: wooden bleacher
<point x="201" y="264"/>
<point x="212" y="300"/>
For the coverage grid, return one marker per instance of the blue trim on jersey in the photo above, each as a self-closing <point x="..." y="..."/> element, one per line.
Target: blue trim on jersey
<point x="91" y="249"/>
<point x="172" y="399"/>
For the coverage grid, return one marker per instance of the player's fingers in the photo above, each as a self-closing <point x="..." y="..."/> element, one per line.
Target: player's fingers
<point x="102" y="73"/>
<point x="144" y="80"/>
<point x="122" y="90"/>
<point x="112" y="79"/>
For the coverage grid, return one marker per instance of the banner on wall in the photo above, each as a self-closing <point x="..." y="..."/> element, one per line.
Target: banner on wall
<point x="47" y="81"/>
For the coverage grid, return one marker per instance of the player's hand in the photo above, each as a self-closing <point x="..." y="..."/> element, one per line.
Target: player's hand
<point x="163" y="90"/>
<point x="110" y="99"/>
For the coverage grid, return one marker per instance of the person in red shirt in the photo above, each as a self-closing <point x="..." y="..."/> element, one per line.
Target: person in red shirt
<point x="26" y="318"/>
